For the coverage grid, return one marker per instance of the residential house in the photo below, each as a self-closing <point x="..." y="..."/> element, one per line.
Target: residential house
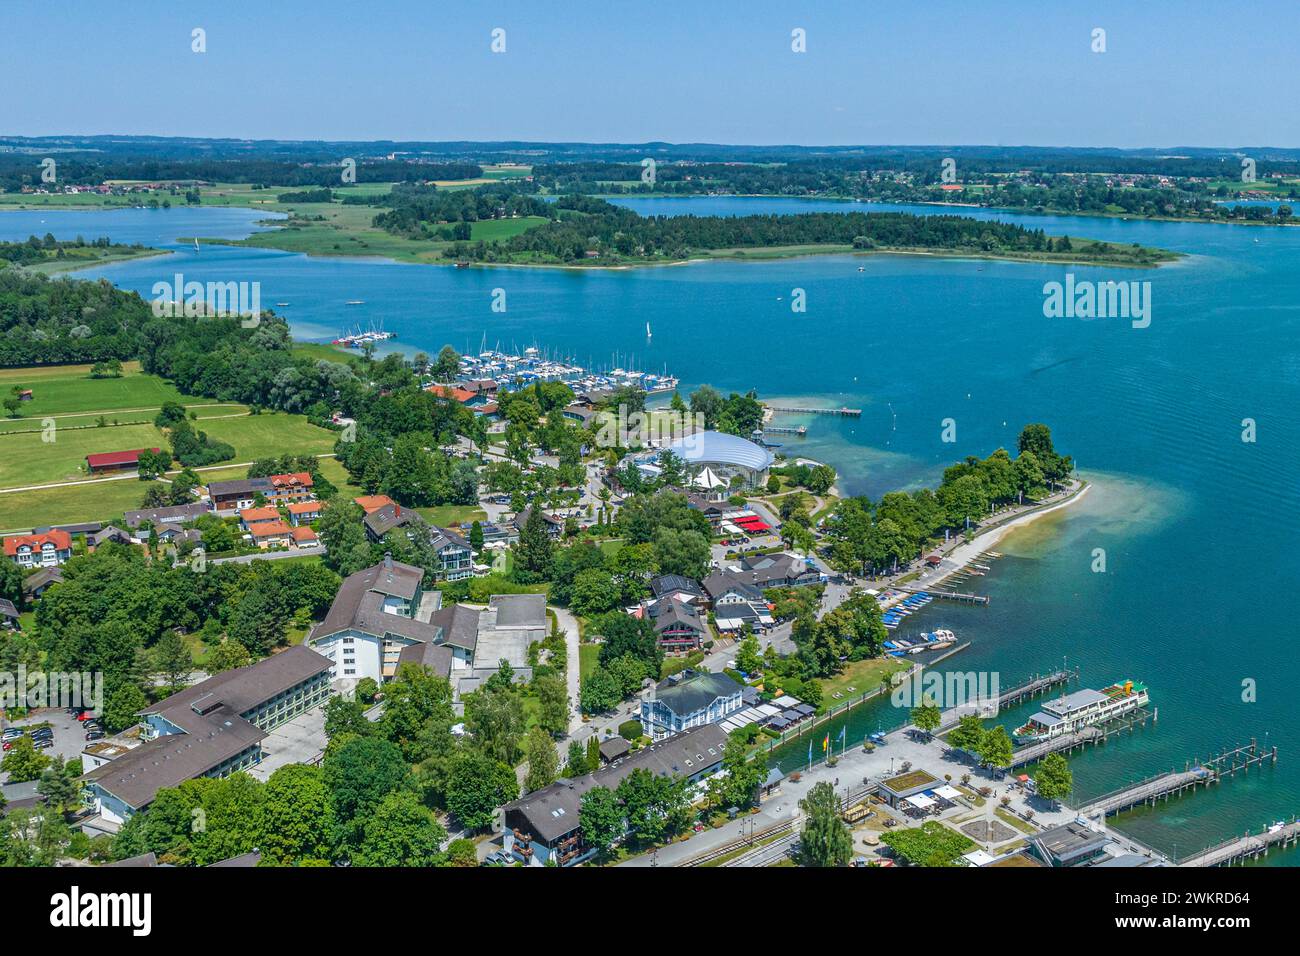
<point x="678" y="624"/>
<point x="105" y="535"/>
<point x="172" y="514"/>
<point x="543" y="826"/>
<point x="387" y="517"/>
<point x="270" y="534"/>
<point x="678" y="586"/>
<point x="736" y="603"/>
<point x="252" y="516"/>
<point x="455" y="556"/>
<point x="554" y="526"/>
<point x="303" y="537"/>
<point x="34" y="585"/>
<point x="782" y="570"/>
<point x="229" y="497"/>
<point x="45" y="550"/>
<point x="9" y="615"/>
<point x="371" y="503"/>
<point x="689" y="699"/>
<point x="303" y="512"/>
<point x="212" y="729"/>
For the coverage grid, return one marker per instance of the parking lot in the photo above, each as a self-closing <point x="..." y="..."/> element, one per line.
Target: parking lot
<point x="69" y="735"/>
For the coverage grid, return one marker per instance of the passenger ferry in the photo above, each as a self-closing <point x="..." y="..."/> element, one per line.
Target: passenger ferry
<point x="1083" y="708"/>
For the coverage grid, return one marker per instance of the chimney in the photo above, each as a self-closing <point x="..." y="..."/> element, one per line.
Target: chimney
<point x="388" y="561"/>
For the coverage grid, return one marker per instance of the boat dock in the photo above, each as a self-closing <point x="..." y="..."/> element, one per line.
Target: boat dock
<point x="947" y="595"/>
<point x="1036" y="685"/>
<point x="1083" y="737"/>
<point x="802" y="410"/>
<point x="1247" y="846"/>
<point x="1176" y="782"/>
<point x="800" y="430"/>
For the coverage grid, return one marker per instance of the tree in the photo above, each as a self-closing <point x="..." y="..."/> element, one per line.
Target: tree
<point x="995" y="748"/>
<point x="359" y="775"/>
<point x="461" y="852"/>
<point x="367" y="690"/>
<point x="227" y="656"/>
<point x="926" y="716"/>
<point x="744" y="776"/>
<point x="172" y="660"/>
<point x="447" y="367"/>
<point x="967" y="734"/>
<point x="575" y="761"/>
<point x="1054" y="778"/>
<point x="535" y="551"/>
<point x="747" y="658"/>
<point x="476" y="536"/>
<point x="24" y="762"/>
<point x="825" y="840"/>
<point x="601" y="819"/>
<point x="600" y="692"/>
<point x="123" y="705"/>
<point x="58" y="785"/>
<point x="343" y="716"/>
<point x="401" y="832"/>
<point x="543" y="762"/>
<point x="476" y="786"/>
<point x="495" y="717"/>
<point x="655" y="806"/>
<point x="930" y="844"/>
<point x="553" y="697"/>
<point x="298" y="816"/>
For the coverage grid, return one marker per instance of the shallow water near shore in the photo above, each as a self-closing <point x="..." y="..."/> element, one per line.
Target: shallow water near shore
<point x="1194" y="521"/>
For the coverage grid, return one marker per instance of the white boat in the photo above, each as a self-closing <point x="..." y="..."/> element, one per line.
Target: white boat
<point x="1083" y="708"/>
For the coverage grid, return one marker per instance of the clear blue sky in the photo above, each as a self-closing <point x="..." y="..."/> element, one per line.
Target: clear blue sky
<point x="1194" y="72"/>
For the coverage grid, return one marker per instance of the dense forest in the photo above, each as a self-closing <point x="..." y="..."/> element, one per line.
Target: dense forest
<point x="37" y="249"/>
<point x="588" y="228"/>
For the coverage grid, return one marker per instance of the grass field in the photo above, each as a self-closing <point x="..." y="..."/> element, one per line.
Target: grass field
<point x="24" y="510"/>
<point x="59" y="389"/>
<point x="857" y="678"/>
<point x="445" y="515"/>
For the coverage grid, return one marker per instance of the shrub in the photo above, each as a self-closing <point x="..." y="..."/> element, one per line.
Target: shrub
<point x="630" y="730"/>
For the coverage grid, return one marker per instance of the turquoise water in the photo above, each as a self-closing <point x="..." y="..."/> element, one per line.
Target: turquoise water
<point x="1195" y="523"/>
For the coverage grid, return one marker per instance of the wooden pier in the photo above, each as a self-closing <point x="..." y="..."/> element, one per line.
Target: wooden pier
<point x="1177" y="782"/>
<point x="800" y="430"/>
<point x="1085" y="736"/>
<point x="1248" y="846"/>
<point x="801" y="410"/>
<point x="946" y="595"/>
<point x="1038" y="684"/>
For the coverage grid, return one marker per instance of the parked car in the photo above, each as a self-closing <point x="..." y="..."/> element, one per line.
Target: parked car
<point x="94" y="735"/>
<point x="83" y="715"/>
<point x="13" y="733"/>
<point x="44" y="743"/>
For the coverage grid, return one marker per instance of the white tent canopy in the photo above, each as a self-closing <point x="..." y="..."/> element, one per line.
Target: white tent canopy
<point x="920" y="801"/>
<point x="708" y="479"/>
<point x="948" y="792"/>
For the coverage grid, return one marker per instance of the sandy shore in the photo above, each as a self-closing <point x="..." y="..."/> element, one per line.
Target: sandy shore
<point x="963" y="554"/>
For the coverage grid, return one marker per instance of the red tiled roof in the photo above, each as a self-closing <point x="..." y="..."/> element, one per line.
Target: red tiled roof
<point x="303" y="533"/>
<point x="303" y="507"/>
<point x="371" y="503"/>
<point x="461" y="395"/>
<point x="60" y="539"/>
<point x="109" y="458"/>
<point x="295" y="478"/>
<point x="269" y="529"/>
<point x="250" y="515"/>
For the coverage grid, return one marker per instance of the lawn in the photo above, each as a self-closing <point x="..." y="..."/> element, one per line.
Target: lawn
<point x="271" y="434"/>
<point x="27" y="459"/>
<point x="60" y="389"/>
<point x="857" y="678"/>
<point x="446" y="515"/>
<point x="588" y="658"/>
<point x="24" y="510"/>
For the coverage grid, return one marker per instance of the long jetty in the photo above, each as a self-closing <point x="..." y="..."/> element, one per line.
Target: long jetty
<point x="946" y="595"/>
<point x="803" y="410"/>
<point x="1247" y="846"/>
<point x="1177" y="782"/>
<point x="1038" y="684"/>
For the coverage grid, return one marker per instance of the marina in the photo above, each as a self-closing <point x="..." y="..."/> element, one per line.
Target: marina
<point x="511" y="369"/>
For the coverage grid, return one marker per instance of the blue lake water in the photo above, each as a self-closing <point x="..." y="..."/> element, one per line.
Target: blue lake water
<point x="1195" y="522"/>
